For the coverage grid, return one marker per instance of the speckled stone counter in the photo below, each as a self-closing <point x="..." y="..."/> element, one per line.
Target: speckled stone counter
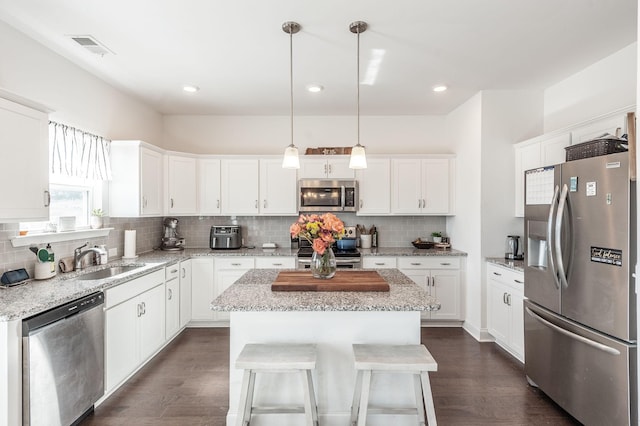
<point x="516" y="265"/>
<point x="410" y="251"/>
<point x="252" y="293"/>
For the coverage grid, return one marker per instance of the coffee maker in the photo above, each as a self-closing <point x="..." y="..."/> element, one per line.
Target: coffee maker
<point x="171" y="240"/>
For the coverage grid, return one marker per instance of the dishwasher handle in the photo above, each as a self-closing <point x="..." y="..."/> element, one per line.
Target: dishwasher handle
<point x="31" y="324"/>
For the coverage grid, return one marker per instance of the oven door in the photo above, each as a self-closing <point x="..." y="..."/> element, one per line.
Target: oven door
<point x="341" y="263"/>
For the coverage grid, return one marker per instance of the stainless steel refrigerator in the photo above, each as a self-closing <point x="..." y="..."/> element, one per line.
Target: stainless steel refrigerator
<point x="580" y="304"/>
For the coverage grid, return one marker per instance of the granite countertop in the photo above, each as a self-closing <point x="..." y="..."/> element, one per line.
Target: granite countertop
<point x="410" y="251"/>
<point x="516" y="265"/>
<point x="252" y="292"/>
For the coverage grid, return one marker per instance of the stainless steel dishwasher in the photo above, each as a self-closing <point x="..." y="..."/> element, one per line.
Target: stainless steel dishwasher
<point x="63" y="362"/>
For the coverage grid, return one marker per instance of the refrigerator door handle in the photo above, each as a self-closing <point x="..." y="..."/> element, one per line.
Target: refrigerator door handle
<point x="593" y="344"/>
<point x="554" y="201"/>
<point x="558" y="241"/>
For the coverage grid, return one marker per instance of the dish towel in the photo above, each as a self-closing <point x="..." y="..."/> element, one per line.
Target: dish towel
<point x="66" y="264"/>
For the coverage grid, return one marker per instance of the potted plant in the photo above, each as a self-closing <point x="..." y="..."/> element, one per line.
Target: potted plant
<point x="96" y="218"/>
<point x="437" y="237"/>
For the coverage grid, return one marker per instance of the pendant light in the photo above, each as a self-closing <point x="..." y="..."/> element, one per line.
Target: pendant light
<point x="291" y="160"/>
<point x="358" y="158"/>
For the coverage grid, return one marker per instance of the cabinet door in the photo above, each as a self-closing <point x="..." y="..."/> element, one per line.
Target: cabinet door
<point x="436" y="186"/>
<point x="612" y="125"/>
<point x="25" y="153"/>
<point x="182" y="185"/>
<point x="406" y="187"/>
<point x="278" y="188"/>
<point x="240" y="187"/>
<point x="152" y="321"/>
<point x="121" y="342"/>
<point x="185" y="292"/>
<point x="552" y="150"/>
<point x="338" y="168"/>
<point x="275" y="262"/>
<point x="517" y="322"/>
<point x="445" y="286"/>
<point x="209" y="186"/>
<point x="378" y="262"/>
<point x="499" y="315"/>
<point x="172" y="301"/>
<point x="202" y="289"/>
<point x="313" y="168"/>
<point x="375" y="187"/>
<point x="527" y="157"/>
<point x="151" y="182"/>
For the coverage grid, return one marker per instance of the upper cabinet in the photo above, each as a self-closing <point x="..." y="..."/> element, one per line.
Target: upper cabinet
<point x="209" y="186"/>
<point x="277" y="189"/>
<point x="422" y="186"/>
<point x="182" y="185"/>
<point x="239" y="189"/>
<point x="549" y="149"/>
<point x="137" y="185"/>
<point x="24" y="142"/>
<point x="374" y="185"/>
<point x="325" y="167"/>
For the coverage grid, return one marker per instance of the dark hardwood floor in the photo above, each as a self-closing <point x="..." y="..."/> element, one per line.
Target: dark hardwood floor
<point x="187" y="384"/>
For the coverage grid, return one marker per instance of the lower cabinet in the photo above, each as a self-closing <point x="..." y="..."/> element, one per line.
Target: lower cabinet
<point x="202" y="289"/>
<point x="172" y="300"/>
<point x="134" y="325"/>
<point x="440" y="277"/>
<point x="505" y="320"/>
<point x="379" y="262"/>
<point x="275" y="262"/>
<point x="185" y="292"/>
<point x="226" y="272"/>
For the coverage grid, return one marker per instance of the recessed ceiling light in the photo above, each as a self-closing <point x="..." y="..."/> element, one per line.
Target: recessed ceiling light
<point x="315" y="88"/>
<point x="440" y="88"/>
<point x="190" y="89"/>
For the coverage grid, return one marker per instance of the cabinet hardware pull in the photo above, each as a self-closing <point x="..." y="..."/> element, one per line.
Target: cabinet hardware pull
<point x="139" y="309"/>
<point x="424" y="203"/>
<point x="171" y="202"/>
<point x="144" y="308"/>
<point x="445" y="263"/>
<point x="184" y="272"/>
<point x="325" y="168"/>
<point x="173" y="271"/>
<point x="496" y="273"/>
<point x="277" y="264"/>
<point x="416" y="263"/>
<point x="419" y="203"/>
<point x="236" y="264"/>
<point x="379" y="263"/>
<point x="264" y="204"/>
<point x="330" y="169"/>
<point x="361" y="203"/>
<point x="170" y="294"/>
<point x="256" y="204"/>
<point x="504" y="298"/>
<point x="519" y="282"/>
<point x="509" y="299"/>
<point x="217" y="204"/>
<point x="433" y="281"/>
<point x="47" y="198"/>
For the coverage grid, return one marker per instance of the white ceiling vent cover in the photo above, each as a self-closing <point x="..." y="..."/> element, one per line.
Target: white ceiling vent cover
<point x="91" y="44"/>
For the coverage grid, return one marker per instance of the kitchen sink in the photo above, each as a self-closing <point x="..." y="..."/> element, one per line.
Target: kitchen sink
<point x="111" y="271"/>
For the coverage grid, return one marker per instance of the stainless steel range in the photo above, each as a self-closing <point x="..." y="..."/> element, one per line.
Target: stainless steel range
<point x="345" y="259"/>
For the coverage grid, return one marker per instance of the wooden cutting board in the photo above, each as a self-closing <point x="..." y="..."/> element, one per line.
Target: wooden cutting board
<point x="342" y="281"/>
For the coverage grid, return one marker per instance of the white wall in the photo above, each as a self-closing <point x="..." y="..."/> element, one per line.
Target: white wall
<point x="602" y="87"/>
<point x="271" y="134"/>
<point x="79" y="99"/>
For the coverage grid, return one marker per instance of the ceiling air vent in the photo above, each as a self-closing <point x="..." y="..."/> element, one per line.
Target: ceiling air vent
<point x="91" y="44"/>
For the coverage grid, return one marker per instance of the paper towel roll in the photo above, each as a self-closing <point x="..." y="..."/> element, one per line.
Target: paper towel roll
<point x="129" y="244"/>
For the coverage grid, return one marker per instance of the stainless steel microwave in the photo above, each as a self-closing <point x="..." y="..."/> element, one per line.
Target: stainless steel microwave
<point x="326" y="195"/>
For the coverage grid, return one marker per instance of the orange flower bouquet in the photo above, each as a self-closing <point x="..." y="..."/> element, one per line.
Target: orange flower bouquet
<point x="321" y="231"/>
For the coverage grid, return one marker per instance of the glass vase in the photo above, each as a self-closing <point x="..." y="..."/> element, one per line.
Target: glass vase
<point x="323" y="266"/>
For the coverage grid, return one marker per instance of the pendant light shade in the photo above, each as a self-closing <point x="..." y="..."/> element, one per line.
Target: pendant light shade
<point x="291" y="160"/>
<point x="358" y="158"/>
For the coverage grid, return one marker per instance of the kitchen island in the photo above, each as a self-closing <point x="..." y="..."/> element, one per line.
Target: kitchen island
<point x="333" y="321"/>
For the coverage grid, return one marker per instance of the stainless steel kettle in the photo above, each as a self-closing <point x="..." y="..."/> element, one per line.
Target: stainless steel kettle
<point x="512" y="248"/>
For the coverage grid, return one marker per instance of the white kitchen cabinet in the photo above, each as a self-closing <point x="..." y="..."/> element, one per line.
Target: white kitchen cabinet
<point x="505" y="289"/>
<point x="134" y="325"/>
<point x="239" y="186"/>
<point x="185" y="292"/>
<point x="379" y="262"/>
<point x="422" y="186"/>
<point x="278" y="188"/>
<point x="325" y="167"/>
<point x="172" y="300"/>
<point x="202" y="289"/>
<point x="275" y="262"/>
<point x="182" y="194"/>
<point x="227" y="271"/>
<point x="137" y="186"/>
<point x="25" y="165"/>
<point x="615" y="125"/>
<point x="374" y="185"/>
<point x="440" y="277"/>
<point x="209" y="198"/>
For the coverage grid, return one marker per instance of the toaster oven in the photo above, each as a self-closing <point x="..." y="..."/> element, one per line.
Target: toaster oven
<point x="225" y="237"/>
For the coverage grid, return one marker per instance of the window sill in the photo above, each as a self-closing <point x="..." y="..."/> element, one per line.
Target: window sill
<point x="55" y="237"/>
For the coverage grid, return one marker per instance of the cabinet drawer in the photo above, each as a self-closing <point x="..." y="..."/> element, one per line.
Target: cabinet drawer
<point x="238" y="262"/>
<point x="375" y="262"/>
<point x="428" y="262"/>
<point x="130" y="289"/>
<point x="171" y="272"/>
<point x="507" y="276"/>
<point x="277" y="262"/>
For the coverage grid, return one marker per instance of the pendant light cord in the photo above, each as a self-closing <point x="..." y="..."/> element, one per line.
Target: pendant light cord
<point x="291" y="79"/>
<point x="358" y="86"/>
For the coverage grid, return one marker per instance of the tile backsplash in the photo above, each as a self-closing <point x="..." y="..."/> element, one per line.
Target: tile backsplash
<point x="393" y="231"/>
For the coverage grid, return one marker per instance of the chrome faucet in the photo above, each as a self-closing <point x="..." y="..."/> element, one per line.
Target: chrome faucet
<point x="78" y="254"/>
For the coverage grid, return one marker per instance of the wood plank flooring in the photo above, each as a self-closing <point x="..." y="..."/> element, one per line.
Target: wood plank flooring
<point x="187" y="384"/>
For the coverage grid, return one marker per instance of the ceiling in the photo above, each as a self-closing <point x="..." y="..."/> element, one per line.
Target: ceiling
<point x="238" y="55"/>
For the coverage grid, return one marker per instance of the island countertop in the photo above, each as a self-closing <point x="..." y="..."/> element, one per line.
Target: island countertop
<point x="252" y="293"/>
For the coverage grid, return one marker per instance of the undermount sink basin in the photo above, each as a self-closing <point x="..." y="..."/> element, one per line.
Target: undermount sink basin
<point x="111" y="271"/>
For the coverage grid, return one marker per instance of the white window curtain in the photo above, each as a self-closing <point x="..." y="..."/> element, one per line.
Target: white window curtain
<point x="76" y="153"/>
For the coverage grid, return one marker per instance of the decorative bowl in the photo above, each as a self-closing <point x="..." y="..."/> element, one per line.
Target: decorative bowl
<point x="420" y="244"/>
